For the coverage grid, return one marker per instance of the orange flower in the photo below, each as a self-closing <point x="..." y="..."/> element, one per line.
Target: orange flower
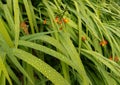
<point x="44" y="21"/>
<point x="60" y="22"/>
<point x="116" y="59"/>
<point x="65" y="20"/>
<point x="83" y="38"/>
<point x="103" y="43"/>
<point x="60" y="28"/>
<point x="57" y="19"/>
<point x="23" y="25"/>
<point x="110" y="58"/>
<point x="26" y="31"/>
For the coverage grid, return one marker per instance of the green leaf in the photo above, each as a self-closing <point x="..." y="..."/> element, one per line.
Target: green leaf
<point x="13" y="75"/>
<point x="29" y="14"/>
<point x="4" y="33"/>
<point x="16" y="21"/>
<point x="41" y="66"/>
<point x="47" y="51"/>
<point x="4" y="70"/>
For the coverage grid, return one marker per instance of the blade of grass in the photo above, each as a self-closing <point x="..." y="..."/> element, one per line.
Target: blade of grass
<point x="4" y="70"/>
<point x="47" y="51"/>
<point x="9" y="18"/>
<point x="12" y="75"/>
<point x="5" y="34"/>
<point x="16" y="21"/>
<point x="71" y="50"/>
<point x="112" y="65"/>
<point x="47" y="39"/>
<point x="17" y="64"/>
<point x="41" y="66"/>
<point x="2" y="79"/>
<point x="28" y="11"/>
<point x="79" y="25"/>
<point x="9" y="5"/>
<point x="33" y="15"/>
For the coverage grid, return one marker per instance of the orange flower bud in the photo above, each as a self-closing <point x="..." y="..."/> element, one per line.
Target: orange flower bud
<point x="23" y="25"/>
<point x="44" y="21"/>
<point x="65" y="20"/>
<point x="26" y="31"/>
<point x="116" y="59"/>
<point x="60" y="22"/>
<point x="110" y="58"/>
<point x="60" y="28"/>
<point x="83" y="38"/>
<point x="56" y="19"/>
<point x="103" y="43"/>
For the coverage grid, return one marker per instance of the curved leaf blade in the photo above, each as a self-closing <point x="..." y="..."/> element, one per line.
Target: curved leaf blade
<point x="41" y="66"/>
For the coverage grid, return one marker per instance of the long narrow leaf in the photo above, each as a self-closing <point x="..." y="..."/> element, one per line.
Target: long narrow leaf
<point x="41" y="66"/>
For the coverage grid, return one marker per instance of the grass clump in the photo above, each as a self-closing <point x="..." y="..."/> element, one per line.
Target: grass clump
<point x="59" y="42"/>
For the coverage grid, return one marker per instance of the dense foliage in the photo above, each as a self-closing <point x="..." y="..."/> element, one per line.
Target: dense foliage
<point x="59" y="42"/>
